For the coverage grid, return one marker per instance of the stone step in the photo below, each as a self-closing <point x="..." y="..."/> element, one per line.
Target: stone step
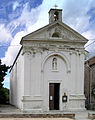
<point x="82" y="116"/>
<point x="91" y="115"/>
<point x="83" y="119"/>
<point x="23" y="115"/>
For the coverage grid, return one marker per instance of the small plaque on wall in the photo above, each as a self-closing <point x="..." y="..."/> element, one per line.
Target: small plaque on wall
<point x="51" y="97"/>
<point x="64" y="98"/>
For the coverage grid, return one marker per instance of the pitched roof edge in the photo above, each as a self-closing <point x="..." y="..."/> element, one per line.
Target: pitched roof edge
<point x="57" y="22"/>
<point x="90" y="58"/>
<point x="16" y="59"/>
<point x="72" y="30"/>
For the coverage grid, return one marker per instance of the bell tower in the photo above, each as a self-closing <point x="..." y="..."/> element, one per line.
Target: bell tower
<point x="54" y="15"/>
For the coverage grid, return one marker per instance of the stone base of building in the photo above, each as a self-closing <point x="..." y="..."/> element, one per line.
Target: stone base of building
<point x="76" y="103"/>
<point x="34" y="104"/>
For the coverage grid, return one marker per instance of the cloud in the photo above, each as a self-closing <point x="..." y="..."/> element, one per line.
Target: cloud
<point x="91" y="49"/>
<point x="90" y="46"/>
<point x="79" y="18"/>
<point x="5" y="35"/>
<point x="27" y="18"/>
<point x="13" y="49"/>
<point x="75" y="14"/>
<point x="15" y="5"/>
<point x="90" y="34"/>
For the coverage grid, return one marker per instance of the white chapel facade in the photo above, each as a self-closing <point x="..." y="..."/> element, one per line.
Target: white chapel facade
<point x="48" y="73"/>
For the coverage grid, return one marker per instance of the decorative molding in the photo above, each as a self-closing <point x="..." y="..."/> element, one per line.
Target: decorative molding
<point x="73" y="52"/>
<point x="26" y="51"/>
<point x="41" y="47"/>
<point x="76" y="97"/>
<point x="32" y="98"/>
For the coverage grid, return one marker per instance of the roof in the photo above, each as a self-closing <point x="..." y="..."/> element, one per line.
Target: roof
<point x="55" y="9"/>
<point x="91" y="61"/>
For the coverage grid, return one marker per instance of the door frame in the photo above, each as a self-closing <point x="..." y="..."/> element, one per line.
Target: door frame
<point x="60" y="93"/>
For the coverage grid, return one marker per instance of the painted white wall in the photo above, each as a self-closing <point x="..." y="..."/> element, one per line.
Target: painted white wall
<point x="17" y="82"/>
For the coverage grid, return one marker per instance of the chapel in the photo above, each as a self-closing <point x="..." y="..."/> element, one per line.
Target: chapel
<point x="48" y="72"/>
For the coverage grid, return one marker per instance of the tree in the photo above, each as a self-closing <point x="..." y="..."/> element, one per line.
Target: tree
<point x="6" y="92"/>
<point x="3" y="72"/>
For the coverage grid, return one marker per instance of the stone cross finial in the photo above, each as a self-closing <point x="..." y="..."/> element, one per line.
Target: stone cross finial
<point x="55" y="6"/>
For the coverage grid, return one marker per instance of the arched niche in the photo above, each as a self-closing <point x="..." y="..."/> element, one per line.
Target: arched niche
<point x="55" y="34"/>
<point x="62" y="56"/>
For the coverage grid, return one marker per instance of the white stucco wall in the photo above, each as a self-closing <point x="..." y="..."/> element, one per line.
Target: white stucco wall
<point x="17" y="82"/>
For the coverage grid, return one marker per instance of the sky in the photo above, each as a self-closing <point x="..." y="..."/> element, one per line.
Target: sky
<point x="20" y="17"/>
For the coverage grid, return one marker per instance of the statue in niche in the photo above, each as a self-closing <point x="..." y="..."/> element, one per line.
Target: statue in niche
<point x="54" y="64"/>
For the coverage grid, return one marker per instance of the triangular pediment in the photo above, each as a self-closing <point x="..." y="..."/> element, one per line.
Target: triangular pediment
<point x="64" y="32"/>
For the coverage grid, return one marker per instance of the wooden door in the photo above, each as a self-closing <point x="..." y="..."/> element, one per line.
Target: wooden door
<point x="51" y="96"/>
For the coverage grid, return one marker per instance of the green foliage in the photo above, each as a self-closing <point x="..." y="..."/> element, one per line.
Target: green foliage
<point x="4" y="92"/>
<point x="4" y="96"/>
<point x="3" y="70"/>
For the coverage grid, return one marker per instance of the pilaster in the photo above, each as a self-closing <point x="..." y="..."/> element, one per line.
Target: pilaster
<point x="27" y="72"/>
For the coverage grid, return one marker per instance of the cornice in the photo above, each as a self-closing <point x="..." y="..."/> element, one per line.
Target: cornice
<point x="40" y="48"/>
<point x="60" y="40"/>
